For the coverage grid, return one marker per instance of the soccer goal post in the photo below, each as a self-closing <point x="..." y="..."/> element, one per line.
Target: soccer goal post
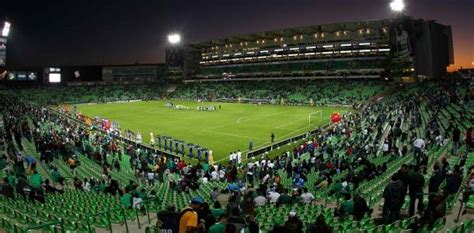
<point x="317" y="114"/>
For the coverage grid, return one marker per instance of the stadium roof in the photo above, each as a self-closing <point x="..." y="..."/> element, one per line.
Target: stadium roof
<point x="304" y="30"/>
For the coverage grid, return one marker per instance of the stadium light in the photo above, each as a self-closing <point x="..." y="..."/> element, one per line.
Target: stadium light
<point x="397" y="5"/>
<point x="6" y="29"/>
<point x="174" y="38"/>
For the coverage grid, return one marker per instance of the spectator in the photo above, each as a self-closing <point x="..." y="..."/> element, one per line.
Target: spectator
<point x="36" y="180"/>
<point x="260" y="200"/>
<point x="77" y="183"/>
<point x="293" y="224"/>
<point x="347" y="207"/>
<point x="230" y="228"/>
<point x="126" y="199"/>
<point x="168" y="220"/>
<point x="394" y="196"/>
<point x="435" y="181"/>
<point x="188" y="217"/>
<point x="220" y="226"/>
<point x="205" y="216"/>
<point x="217" y="210"/>
<point x="307" y="197"/>
<point x="415" y="190"/>
<point x="51" y="189"/>
<point x="284" y="198"/>
<point x="453" y="181"/>
<point x="236" y="219"/>
<point x="6" y="189"/>
<point x="456" y="139"/>
<point x="56" y="176"/>
<point x="319" y="226"/>
<point x="360" y="207"/>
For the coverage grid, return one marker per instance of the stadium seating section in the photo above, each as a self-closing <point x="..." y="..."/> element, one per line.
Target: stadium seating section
<point x="82" y="211"/>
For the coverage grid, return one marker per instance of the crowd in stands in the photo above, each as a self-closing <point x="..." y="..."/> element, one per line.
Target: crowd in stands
<point x="90" y="93"/>
<point x="402" y="138"/>
<point x="321" y="92"/>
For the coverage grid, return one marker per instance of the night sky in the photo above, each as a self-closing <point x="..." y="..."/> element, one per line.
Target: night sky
<point x="98" y="32"/>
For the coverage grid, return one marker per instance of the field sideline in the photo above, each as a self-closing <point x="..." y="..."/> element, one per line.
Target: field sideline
<point x="222" y="131"/>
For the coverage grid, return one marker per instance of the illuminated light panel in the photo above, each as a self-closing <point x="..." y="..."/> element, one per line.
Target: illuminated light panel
<point x="397" y="5"/>
<point x="310" y="47"/>
<point x="384" y="50"/>
<point x="365" y="43"/>
<point x="346" y="45"/>
<point x="328" y="46"/>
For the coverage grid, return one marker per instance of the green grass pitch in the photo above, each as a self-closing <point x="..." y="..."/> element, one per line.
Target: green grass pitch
<point x="222" y="131"/>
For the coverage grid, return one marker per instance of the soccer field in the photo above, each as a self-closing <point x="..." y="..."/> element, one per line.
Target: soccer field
<point x="222" y="131"/>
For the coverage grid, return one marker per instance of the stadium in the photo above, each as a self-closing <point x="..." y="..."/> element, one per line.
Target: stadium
<point x="350" y="126"/>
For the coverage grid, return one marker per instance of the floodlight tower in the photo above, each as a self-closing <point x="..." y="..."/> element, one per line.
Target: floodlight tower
<point x="397" y="6"/>
<point x="174" y="38"/>
<point x="5" y="30"/>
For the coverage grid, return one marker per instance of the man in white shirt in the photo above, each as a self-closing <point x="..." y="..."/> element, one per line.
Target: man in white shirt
<point x="260" y="200"/>
<point x="214" y="175"/>
<point x="239" y="157"/>
<point x="418" y="146"/>
<point x="306" y="197"/>
<point x="273" y="196"/>
<point x="385" y="148"/>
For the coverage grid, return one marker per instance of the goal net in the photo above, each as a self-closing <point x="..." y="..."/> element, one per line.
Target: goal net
<point x="315" y="117"/>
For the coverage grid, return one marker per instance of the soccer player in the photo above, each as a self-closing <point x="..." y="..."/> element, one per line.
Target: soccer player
<point x="159" y="141"/>
<point x="152" y="139"/>
<point x="273" y="137"/>
<point x="199" y="153"/>
<point x="239" y="157"/>
<point x="250" y="145"/>
<point x="139" y="137"/>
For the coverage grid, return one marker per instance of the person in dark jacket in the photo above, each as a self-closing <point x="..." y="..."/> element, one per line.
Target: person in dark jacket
<point x="435" y="181"/>
<point x="6" y="189"/>
<point x="319" y="226"/>
<point x="453" y="181"/>
<point x="293" y="224"/>
<point x="415" y="190"/>
<point x="456" y="137"/>
<point x="394" y="196"/>
<point x="168" y="220"/>
<point x="361" y="208"/>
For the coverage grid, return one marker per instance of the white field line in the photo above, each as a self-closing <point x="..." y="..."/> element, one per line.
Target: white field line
<point x="233" y="135"/>
<point x="243" y="119"/>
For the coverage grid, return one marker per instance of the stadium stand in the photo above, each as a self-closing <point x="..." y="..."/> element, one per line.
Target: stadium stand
<point x="356" y="176"/>
<point x="336" y="92"/>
